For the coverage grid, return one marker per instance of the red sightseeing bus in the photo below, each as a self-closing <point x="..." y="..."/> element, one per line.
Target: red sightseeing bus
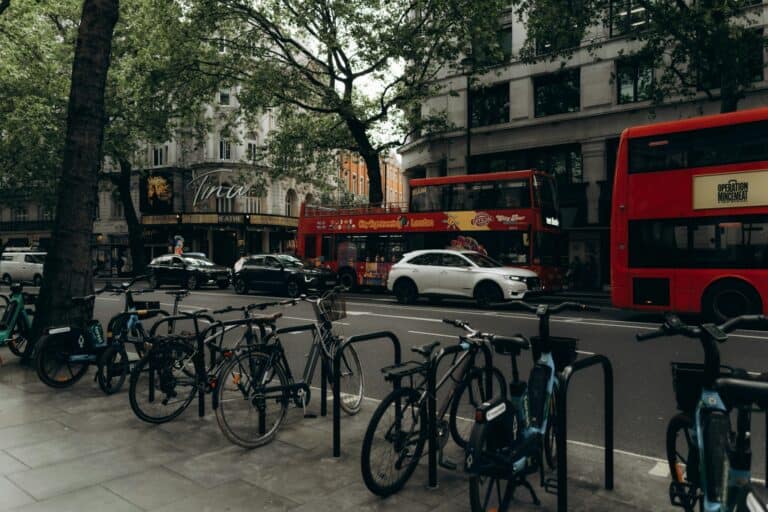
<point x="510" y="216"/>
<point x="689" y="220"/>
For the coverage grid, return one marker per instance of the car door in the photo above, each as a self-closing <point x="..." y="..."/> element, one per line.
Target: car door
<point x="426" y="272"/>
<point x="273" y="273"/>
<point x="455" y="275"/>
<point x="177" y="271"/>
<point x="252" y="272"/>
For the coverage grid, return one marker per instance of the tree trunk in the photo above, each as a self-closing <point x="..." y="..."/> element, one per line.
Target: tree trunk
<point x="371" y="157"/>
<point x="68" y="271"/>
<point x="135" y="234"/>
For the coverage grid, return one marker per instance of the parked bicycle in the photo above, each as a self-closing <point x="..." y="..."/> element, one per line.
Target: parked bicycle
<point x="395" y="437"/>
<point x="16" y="322"/>
<point x="64" y="353"/>
<point x="708" y="462"/>
<point x="174" y="370"/>
<point x="514" y="438"/>
<point x="257" y="385"/>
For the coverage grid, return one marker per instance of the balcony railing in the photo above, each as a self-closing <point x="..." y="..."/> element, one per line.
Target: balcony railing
<point x="27" y="225"/>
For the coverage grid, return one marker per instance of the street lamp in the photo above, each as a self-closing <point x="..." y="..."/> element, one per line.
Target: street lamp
<point x="468" y="63"/>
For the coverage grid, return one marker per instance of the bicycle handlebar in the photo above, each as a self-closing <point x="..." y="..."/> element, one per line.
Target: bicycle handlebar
<point x="543" y="309"/>
<point x="516" y="340"/>
<point x="262" y="306"/>
<point x="673" y="326"/>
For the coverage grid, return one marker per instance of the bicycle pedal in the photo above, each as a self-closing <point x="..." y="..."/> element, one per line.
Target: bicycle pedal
<point x="683" y="495"/>
<point x="550" y="485"/>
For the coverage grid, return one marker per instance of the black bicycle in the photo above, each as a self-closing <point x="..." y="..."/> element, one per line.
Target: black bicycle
<point x="174" y="370"/>
<point x="395" y="437"/>
<point x="257" y="384"/>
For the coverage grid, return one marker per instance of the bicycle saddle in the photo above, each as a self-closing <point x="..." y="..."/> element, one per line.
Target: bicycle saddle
<point x="266" y="319"/>
<point x="426" y="349"/>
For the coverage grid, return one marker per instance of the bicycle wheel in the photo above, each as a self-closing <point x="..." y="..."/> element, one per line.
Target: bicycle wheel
<point x="247" y="413"/>
<point x="469" y="395"/>
<point x="490" y="494"/>
<point x="53" y="364"/>
<point x="393" y="442"/>
<point x="113" y="369"/>
<point x="351" y="381"/>
<point x="18" y="341"/>
<point x="550" y="435"/>
<point x="682" y="452"/>
<point x="164" y="383"/>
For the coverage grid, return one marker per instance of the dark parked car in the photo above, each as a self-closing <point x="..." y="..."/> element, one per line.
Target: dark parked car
<point x="280" y="273"/>
<point x="190" y="273"/>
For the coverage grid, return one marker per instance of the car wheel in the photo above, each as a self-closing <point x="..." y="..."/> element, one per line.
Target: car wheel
<point x="348" y="280"/>
<point x="37" y="280"/>
<point x="223" y="285"/>
<point x="153" y="282"/>
<point x="241" y="287"/>
<point x="406" y="292"/>
<point x="7" y="278"/>
<point x="192" y="283"/>
<point x="488" y="294"/>
<point x="292" y="289"/>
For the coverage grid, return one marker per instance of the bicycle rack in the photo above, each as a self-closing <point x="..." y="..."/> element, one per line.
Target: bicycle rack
<point x="432" y="402"/>
<point x="337" y="384"/>
<point x="562" y="423"/>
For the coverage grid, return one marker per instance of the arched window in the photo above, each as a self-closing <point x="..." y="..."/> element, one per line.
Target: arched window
<point x="291" y="204"/>
<point x="309" y="199"/>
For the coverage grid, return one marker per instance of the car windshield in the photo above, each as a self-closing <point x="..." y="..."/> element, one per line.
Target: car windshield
<point x="198" y="262"/>
<point x="289" y="261"/>
<point x="482" y="261"/>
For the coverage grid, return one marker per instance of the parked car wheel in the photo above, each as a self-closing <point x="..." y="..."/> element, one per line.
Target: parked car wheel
<point x="7" y="278"/>
<point x="348" y="279"/>
<point x="406" y="291"/>
<point x="487" y="294"/>
<point x="292" y="289"/>
<point x="37" y="280"/>
<point x="241" y="287"/>
<point x="223" y="285"/>
<point x="153" y="281"/>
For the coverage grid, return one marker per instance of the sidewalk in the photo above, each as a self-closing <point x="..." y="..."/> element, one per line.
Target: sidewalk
<point x="77" y="449"/>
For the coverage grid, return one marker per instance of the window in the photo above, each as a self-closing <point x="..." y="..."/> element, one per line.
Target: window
<point x="225" y="149"/>
<point x="557" y="93"/>
<point x="493" y="53"/>
<point x="273" y="262"/>
<point x="564" y="161"/>
<point x="44" y="213"/>
<point x="746" y="142"/>
<point x="224" y="96"/>
<point x="490" y="105"/>
<point x="627" y="16"/>
<point x="432" y="258"/>
<point x="310" y="246"/>
<point x="453" y="260"/>
<point x="34" y="258"/>
<point x="250" y="151"/>
<point x="159" y="155"/>
<point x="20" y="214"/>
<point x="754" y="57"/>
<point x="633" y="80"/>
<point x="117" y="208"/>
<point x="257" y="262"/>
<point x="714" y="242"/>
<point x="291" y="204"/>
<point x="485" y="195"/>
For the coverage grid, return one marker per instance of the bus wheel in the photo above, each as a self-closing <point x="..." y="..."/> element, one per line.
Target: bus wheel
<point x="348" y="279"/>
<point x="729" y="298"/>
<point x="405" y="291"/>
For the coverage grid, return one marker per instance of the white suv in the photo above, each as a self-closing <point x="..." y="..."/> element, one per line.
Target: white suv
<point x="438" y="273"/>
<point x="18" y="265"/>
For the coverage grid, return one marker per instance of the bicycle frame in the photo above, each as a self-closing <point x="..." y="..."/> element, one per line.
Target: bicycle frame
<point x="15" y="315"/>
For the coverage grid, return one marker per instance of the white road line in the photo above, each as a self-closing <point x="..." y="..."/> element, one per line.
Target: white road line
<point x="400" y="317"/>
<point x="660" y="469"/>
<point x="434" y="334"/>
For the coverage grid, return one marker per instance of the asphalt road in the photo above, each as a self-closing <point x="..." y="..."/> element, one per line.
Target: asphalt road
<point x="644" y="400"/>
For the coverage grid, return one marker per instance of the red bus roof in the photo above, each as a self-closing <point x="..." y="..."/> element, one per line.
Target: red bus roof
<point x="472" y="178"/>
<point x="698" y="123"/>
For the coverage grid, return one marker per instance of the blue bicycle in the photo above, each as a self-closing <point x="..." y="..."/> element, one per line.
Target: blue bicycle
<point x="710" y="465"/>
<point x="514" y="438"/>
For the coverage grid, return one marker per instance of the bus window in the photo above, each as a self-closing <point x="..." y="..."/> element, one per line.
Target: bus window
<point x="513" y="194"/>
<point x="327" y="248"/>
<point x="310" y="249"/>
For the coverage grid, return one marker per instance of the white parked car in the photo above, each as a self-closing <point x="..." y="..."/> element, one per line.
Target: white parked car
<point x="447" y="273"/>
<point x="18" y="265"/>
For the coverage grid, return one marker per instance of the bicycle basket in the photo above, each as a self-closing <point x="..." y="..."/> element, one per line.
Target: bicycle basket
<point x="333" y="307"/>
<point x="687" y="381"/>
<point x="563" y="350"/>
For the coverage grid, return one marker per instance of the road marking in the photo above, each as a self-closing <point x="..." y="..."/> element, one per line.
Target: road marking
<point x="434" y="334"/>
<point x="400" y="317"/>
<point x="660" y="469"/>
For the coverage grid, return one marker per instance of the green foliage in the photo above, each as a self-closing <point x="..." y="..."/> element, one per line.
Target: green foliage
<point x="708" y="45"/>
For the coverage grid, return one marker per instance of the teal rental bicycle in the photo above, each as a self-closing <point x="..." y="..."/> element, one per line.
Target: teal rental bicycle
<point x="710" y="465"/>
<point x="16" y="323"/>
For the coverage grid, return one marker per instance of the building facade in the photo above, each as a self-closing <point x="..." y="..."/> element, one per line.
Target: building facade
<point x="353" y="174"/>
<point x="566" y="121"/>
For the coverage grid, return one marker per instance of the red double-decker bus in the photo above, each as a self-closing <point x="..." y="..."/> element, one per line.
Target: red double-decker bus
<point x="510" y="216"/>
<point x="689" y="223"/>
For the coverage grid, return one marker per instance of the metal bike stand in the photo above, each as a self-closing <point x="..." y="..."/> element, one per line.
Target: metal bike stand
<point x="432" y="402"/>
<point x="337" y="381"/>
<point x="562" y="423"/>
